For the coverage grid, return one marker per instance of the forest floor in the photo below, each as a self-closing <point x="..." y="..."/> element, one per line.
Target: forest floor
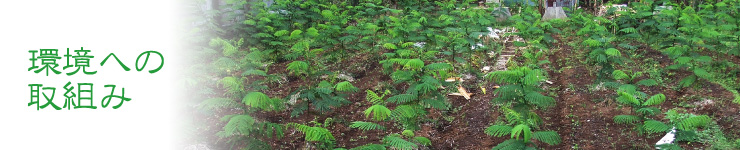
<point x="582" y="116"/>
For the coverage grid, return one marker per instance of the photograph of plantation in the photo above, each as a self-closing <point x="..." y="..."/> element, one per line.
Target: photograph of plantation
<point x="463" y="74"/>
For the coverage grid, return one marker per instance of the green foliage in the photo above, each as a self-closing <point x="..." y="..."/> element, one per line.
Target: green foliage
<point x="521" y="130"/>
<point x="345" y="86"/>
<point x="366" y="126"/>
<point x="370" y="147"/>
<point x="693" y="122"/>
<point x="641" y="105"/>
<point x="228" y="49"/>
<point x="315" y="134"/>
<point x="378" y="109"/>
<point x="498" y="130"/>
<point x="262" y="101"/>
<point x="669" y="147"/>
<point x="396" y="142"/>
<point x="402" y="98"/>
<point x="389" y="46"/>
<point x="413" y="64"/>
<point x="270" y="130"/>
<point x="233" y="86"/>
<point x="373" y="97"/>
<point x="407" y="133"/>
<point x="522" y="88"/>
<point x="379" y="112"/>
<point x="438" y="66"/>
<point x="626" y="119"/>
<point x="652" y="126"/>
<point x="511" y="144"/>
<point x="422" y="140"/>
<point x="237" y="125"/>
<point x="655" y="100"/>
<point x="310" y="33"/>
<point x="322" y="98"/>
<point x="407" y="115"/>
<point x="687" y="124"/>
<point x="549" y="137"/>
<point x="298" y="68"/>
<point x="630" y="79"/>
<point x="213" y="104"/>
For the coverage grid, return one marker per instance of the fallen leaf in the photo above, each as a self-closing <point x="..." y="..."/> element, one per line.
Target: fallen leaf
<point x="462" y="92"/>
<point x="482" y="89"/>
<point x="453" y="79"/>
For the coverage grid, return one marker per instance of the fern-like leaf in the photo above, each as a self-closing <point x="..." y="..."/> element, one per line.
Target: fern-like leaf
<point x="498" y="130"/>
<point x="687" y="81"/>
<point x="511" y="144"/>
<point x="619" y="75"/>
<point x="549" y="137"/>
<point x="691" y="123"/>
<point x="268" y="129"/>
<point x="373" y="97"/>
<point x="507" y="76"/>
<point x="687" y="136"/>
<point x="281" y="33"/>
<point x="533" y="77"/>
<point x="627" y="98"/>
<point x="213" y="104"/>
<point x="379" y="112"/>
<point x="238" y="125"/>
<point x="402" y="98"/>
<point x="521" y="130"/>
<point x="402" y="75"/>
<point x="403" y="111"/>
<point x="261" y="101"/>
<point x="655" y="100"/>
<point x="370" y="147"/>
<point x="396" y="142"/>
<point x="539" y="100"/>
<point x="313" y="134"/>
<point x="628" y="30"/>
<point x="650" y="111"/>
<point x="423" y="141"/>
<point x="295" y="34"/>
<point x="436" y="103"/>
<point x="226" y="64"/>
<point x="612" y="52"/>
<point x="591" y="43"/>
<point x="254" y="72"/>
<point x="413" y="64"/>
<point x="312" y="32"/>
<point x="702" y="73"/>
<point x="345" y="86"/>
<point x="362" y="125"/>
<point x="513" y="116"/>
<point x="389" y="46"/>
<point x="652" y="126"/>
<point x="626" y="119"/>
<point x="232" y="85"/>
<point x="627" y="88"/>
<point x="438" y="66"/>
<point x="298" y="67"/>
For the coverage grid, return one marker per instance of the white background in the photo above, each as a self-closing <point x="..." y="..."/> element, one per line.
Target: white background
<point x="124" y="27"/>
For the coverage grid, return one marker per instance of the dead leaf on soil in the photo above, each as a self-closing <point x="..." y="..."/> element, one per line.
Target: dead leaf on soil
<point x="462" y="92"/>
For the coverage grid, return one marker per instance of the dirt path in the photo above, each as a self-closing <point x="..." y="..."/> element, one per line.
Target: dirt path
<point x="584" y="112"/>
